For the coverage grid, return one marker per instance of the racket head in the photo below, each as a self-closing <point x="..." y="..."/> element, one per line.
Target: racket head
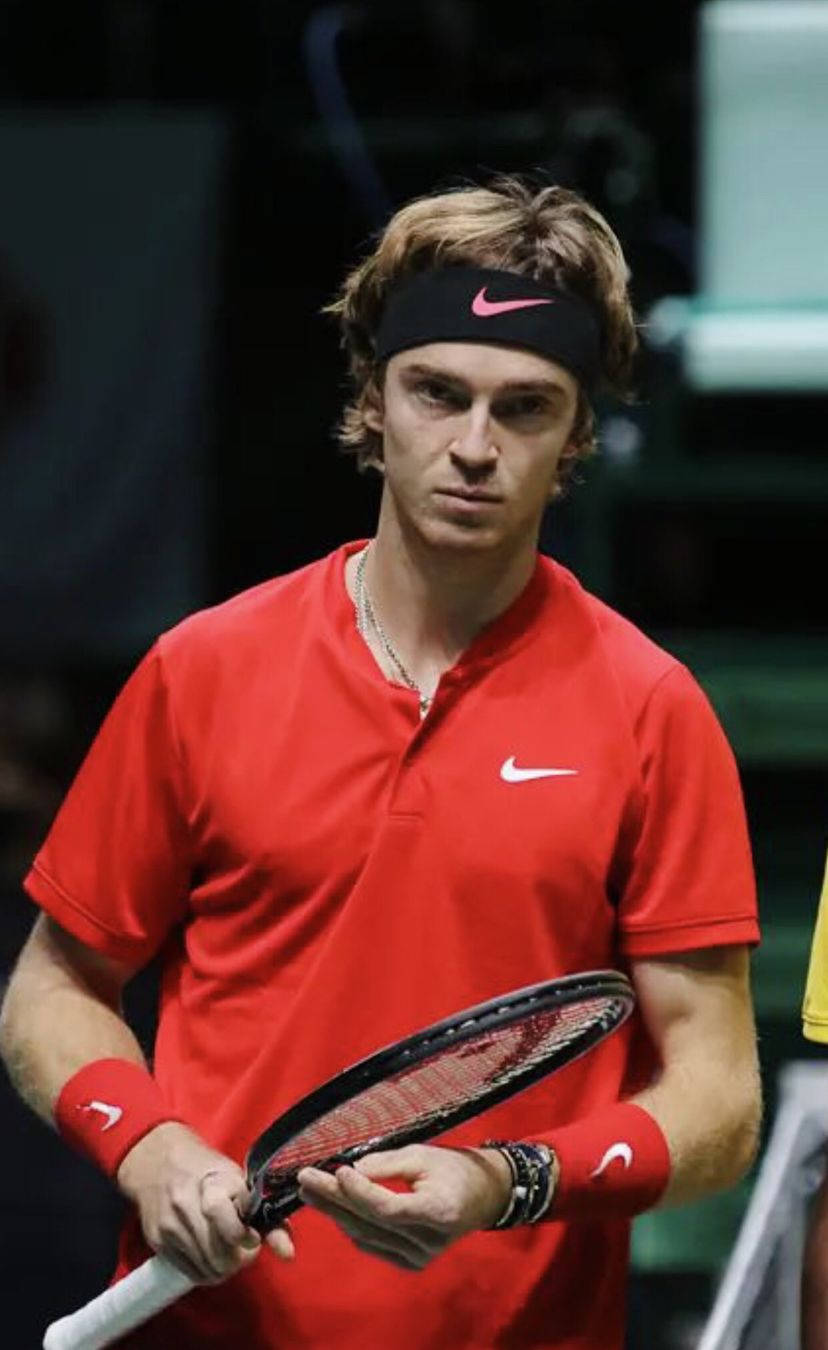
<point x="433" y="1080"/>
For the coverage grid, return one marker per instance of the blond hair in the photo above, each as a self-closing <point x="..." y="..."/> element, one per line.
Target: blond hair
<point x="550" y="234"/>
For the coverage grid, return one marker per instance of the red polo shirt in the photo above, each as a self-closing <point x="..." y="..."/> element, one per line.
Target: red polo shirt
<point x="323" y="872"/>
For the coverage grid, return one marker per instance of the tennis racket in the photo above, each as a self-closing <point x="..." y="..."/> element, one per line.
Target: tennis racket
<point x="412" y="1090"/>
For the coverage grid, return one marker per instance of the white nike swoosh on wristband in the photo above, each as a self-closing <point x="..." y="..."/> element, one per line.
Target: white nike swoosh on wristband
<point x="510" y="773"/>
<point x="620" y="1150"/>
<point x="113" y="1113"/>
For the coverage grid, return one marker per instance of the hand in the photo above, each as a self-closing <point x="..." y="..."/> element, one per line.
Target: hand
<point x="190" y="1200"/>
<point x="452" y="1192"/>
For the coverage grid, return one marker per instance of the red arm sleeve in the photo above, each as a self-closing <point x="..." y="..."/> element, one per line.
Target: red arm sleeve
<point x="115" y="867"/>
<point x="685" y="879"/>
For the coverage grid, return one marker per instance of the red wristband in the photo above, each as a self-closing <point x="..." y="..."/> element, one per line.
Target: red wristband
<point x="615" y="1162"/>
<point x="106" y="1107"/>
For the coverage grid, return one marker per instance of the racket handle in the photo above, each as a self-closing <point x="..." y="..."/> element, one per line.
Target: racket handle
<point x="133" y="1300"/>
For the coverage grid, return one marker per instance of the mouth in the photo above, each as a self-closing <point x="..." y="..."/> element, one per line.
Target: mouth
<point x="470" y="496"/>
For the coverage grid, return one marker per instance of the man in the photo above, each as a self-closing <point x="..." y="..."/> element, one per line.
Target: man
<point x="420" y="772"/>
<point x="815" y="1028"/>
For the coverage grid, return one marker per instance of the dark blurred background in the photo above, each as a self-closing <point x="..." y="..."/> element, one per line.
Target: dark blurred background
<point x="182" y="188"/>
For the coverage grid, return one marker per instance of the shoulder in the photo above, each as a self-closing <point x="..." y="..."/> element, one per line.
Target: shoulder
<point x="637" y="664"/>
<point x="262" y="618"/>
<point x="249" y="642"/>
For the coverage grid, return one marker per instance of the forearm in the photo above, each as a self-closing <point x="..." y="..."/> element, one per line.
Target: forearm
<point x="711" y="1125"/>
<point x="61" y="1013"/>
<point x="706" y="1097"/>
<point x="54" y="1021"/>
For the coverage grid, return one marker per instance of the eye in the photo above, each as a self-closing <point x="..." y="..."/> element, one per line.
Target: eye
<point x="523" y="406"/>
<point x="438" y="393"/>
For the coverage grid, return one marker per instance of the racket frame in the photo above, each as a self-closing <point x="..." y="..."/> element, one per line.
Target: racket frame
<point x="150" y="1288"/>
<point x="266" y="1211"/>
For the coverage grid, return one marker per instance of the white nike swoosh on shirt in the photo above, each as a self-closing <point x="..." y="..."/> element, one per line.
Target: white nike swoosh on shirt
<point x="620" y="1150"/>
<point x="510" y="773"/>
<point x="113" y="1113"/>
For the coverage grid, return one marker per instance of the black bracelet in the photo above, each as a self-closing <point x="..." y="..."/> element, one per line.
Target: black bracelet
<point x="531" y="1168"/>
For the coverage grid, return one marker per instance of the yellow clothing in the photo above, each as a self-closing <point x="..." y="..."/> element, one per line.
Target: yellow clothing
<point x="815" y="1006"/>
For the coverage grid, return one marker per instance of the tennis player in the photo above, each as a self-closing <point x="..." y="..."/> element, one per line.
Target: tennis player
<point x="421" y="771"/>
<point x="815" y="1028"/>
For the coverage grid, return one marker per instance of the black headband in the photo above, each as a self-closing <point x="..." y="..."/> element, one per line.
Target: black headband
<point x="475" y="304"/>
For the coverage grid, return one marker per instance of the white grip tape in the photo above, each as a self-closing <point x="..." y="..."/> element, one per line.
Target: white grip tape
<point x="133" y="1300"/>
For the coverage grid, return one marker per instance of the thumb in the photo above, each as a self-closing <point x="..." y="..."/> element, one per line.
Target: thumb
<point x="280" y="1241"/>
<point x="403" y="1164"/>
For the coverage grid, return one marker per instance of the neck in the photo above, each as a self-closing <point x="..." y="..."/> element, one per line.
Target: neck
<point x="433" y="601"/>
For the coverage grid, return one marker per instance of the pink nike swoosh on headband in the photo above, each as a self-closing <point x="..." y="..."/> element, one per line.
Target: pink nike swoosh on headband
<point x="484" y="309"/>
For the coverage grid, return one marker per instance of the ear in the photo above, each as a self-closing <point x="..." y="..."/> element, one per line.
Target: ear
<point x="570" y="452"/>
<point x="374" y="419"/>
<point x="373" y="410"/>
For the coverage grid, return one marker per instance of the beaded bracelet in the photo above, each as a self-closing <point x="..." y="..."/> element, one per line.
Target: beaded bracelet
<point x="531" y="1166"/>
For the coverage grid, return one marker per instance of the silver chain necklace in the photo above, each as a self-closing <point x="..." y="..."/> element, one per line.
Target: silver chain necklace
<point x="366" y="618"/>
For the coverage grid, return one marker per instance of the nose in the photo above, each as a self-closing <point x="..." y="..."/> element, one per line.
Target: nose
<point x="474" y="448"/>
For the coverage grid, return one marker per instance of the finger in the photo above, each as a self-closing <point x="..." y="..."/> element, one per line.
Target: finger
<point x="407" y="1164"/>
<point x="205" y="1247"/>
<point x="421" y="1216"/>
<point x="359" y="1196"/>
<point x="179" y="1256"/>
<point x="222" y="1202"/>
<point x="227" y="1241"/>
<point x="314" y="1182"/>
<point x="444" y="1181"/>
<point x="438" y="1200"/>
<point x="416" y="1175"/>
<point x="280" y="1241"/>
<point x="317" y="1187"/>
<point x="212" y="1260"/>
<point x="377" y="1202"/>
<point x="417" y="1239"/>
<point x="391" y="1244"/>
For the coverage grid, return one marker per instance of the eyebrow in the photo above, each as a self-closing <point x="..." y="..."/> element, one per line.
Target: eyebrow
<point x="538" y="386"/>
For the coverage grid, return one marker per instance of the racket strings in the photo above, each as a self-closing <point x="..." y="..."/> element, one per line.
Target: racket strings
<point x="430" y="1091"/>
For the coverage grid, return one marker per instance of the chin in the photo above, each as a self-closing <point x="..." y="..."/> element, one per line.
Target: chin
<point x="462" y="536"/>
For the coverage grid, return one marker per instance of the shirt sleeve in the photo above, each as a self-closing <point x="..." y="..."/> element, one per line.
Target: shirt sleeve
<point x="815" y="1005"/>
<point x="115" y="867"/>
<point x="686" y="880"/>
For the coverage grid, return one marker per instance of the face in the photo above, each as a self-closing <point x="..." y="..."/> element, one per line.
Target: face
<point x="472" y="438"/>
